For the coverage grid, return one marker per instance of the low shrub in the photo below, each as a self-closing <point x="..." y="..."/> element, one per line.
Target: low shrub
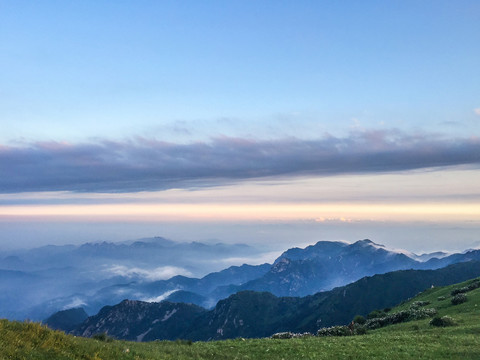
<point x="359" y="329"/>
<point x="441" y="298"/>
<point x="399" y="317"/>
<point x="475" y="284"/>
<point x="290" y="335"/>
<point x="459" y="299"/>
<point x="417" y="314"/>
<point x="102" y="337"/>
<point x="359" y="319"/>
<point x="394" y="318"/>
<point x="303" y="335"/>
<point x="282" y="335"/>
<point x="335" y="331"/>
<point x="442" y="321"/>
<point x="183" y="342"/>
<point x="376" y="314"/>
<point x="354" y="328"/>
<point x="417" y="304"/>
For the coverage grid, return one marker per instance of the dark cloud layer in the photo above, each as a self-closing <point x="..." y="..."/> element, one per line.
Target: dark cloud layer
<point x="146" y="164"/>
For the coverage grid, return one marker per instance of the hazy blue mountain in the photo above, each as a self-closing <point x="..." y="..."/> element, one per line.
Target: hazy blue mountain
<point x="200" y="291"/>
<point x="300" y="272"/>
<point x="13" y="285"/>
<point x="234" y="275"/>
<point x="187" y="297"/>
<point x="325" y="265"/>
<point x="321" y="250"/>
<point x="427" y="256"/>
<point x="106" y="257"/>
<point x="35" y="283"/>
<point x="435" y="263"/>
<point x="66" y="320"/>
<point x="259" y="314"/>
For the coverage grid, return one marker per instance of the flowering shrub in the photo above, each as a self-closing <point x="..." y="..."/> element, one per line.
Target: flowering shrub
<point x="399" y="317"/>
<point x="359" y="319"/>
<point x="417" y="314"/>
<point x="417" y="304"/>
<point x="303" y="335"/>
<point x="359" y="329"/>
<point x="376" y="314"/>
<point x="335" y="331"/>
<point x="352" y="329"/>
<point x="459" y="298"/>
<point x="442" y="321"/>
<point x="472" y="286"/>
<point x="290" y="335"/>
<point x="282" y="335"/>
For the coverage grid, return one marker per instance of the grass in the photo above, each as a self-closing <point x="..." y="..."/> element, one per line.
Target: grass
<point x="411" y="340"/>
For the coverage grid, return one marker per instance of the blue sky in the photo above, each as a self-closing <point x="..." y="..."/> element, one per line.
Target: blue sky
<point x="101" y="101"/>
<point x="75" y="70"/>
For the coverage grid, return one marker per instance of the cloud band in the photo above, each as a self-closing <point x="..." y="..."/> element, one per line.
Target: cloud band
<point x="149" y="164"/>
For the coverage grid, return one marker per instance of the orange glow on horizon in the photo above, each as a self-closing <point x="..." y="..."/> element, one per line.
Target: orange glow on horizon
<point x="248" y="212"/>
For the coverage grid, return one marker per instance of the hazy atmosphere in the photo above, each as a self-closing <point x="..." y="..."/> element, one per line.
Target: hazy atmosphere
<point x="274" y="123"/>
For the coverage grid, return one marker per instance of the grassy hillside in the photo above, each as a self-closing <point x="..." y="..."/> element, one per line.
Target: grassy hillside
<point x="410" y="340"/>
<point x="466" y="315"/>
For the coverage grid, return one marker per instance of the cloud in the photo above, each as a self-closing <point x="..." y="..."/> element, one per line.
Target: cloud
<point x="160" y="297"/>
<point x="160" y="273"/>
<point x="477" y="111"/>
<point x="75" y="303"/>
<point x="268" y="257"/>
<point x="144" y="164"/>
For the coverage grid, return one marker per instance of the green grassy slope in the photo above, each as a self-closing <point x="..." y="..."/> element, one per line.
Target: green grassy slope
<point x="411" y="340"/>
<point x="466" y="315"/>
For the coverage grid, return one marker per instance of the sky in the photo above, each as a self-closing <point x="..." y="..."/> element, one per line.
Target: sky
<point x="274" y="123"/>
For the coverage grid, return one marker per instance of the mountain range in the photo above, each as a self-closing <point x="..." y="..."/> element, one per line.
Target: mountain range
<point x="38" y="282"/>
<point x="296" y="272"/>
<point x="260" y="314"/>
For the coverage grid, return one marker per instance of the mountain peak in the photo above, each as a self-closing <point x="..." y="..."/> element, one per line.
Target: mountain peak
<point x="368" y="242"/>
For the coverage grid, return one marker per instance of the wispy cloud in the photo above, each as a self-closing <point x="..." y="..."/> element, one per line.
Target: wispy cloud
<point x="263" y="258"/>
<point x="75" y="303"/>
<point x="160" y="297"/>
<point x="149" y="164"/>
<point x="160" y="273"/>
